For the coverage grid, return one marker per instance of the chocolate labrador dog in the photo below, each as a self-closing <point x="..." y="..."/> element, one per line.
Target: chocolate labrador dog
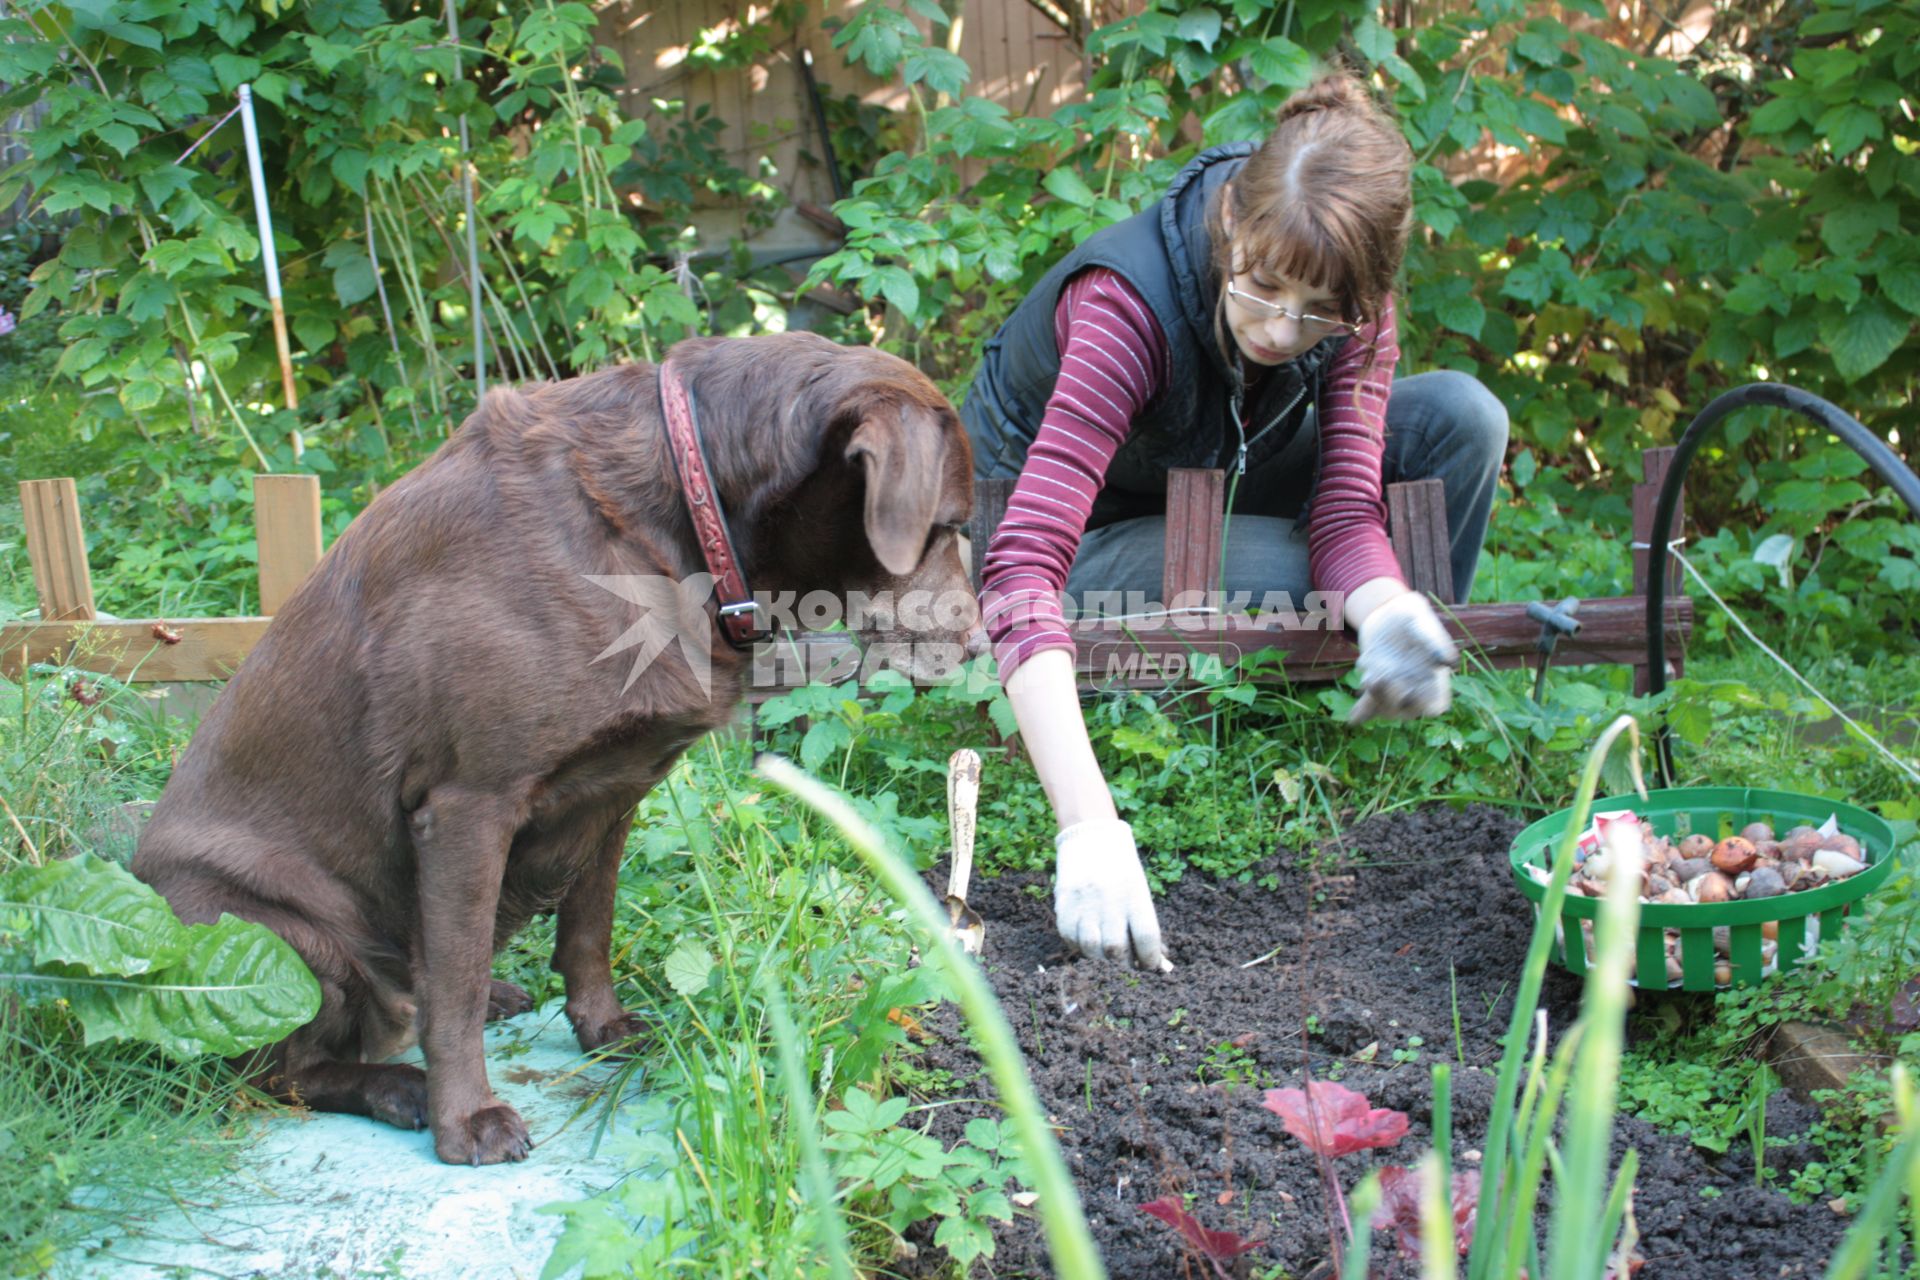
<point x="426" y="748"/>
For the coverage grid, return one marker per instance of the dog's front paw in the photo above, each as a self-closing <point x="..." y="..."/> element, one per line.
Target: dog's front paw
<point x="491" y="1135"/>
<point x="505" y="1000"/>
<point x="614" y="1035"/>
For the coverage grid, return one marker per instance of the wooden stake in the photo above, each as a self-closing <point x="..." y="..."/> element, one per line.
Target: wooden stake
<point x="58" y="550"/>
<point x="286" y="523"/>
<point x="1196" y="502"/>
<point x="1646" y="496"/>
<point x="963" y="800"/>
<point x="285" y="349"/>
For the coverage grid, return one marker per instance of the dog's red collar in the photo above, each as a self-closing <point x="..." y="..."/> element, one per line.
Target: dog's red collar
<point x="738" y="612"/>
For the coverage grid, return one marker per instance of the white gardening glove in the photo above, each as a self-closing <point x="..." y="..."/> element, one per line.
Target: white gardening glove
<point x="1406" y="661"/>
<point x="1100" y="894"/>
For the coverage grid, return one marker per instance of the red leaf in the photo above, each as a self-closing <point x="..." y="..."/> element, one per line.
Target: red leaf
<point x="1337" y="1121"/>
<point x="1218" y="1247"/>
<point x="1400" y="1208"/>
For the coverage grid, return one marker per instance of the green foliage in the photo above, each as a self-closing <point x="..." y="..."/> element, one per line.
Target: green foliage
<point x="1218" y="779"/>
<point x="964" y="1187"/>
<point x="739" y="891"/>
<point x="74" y="747"/>
<point x="89" y="914"/>
<point x="1659" y="230"/>
<point x="1705" y="1086"/>
<point x="1711" y="1097"/>
<point x="100" y="1085"/>
<point x="835" y="730"/>
<point x="587" y="255"/>
<point x="87" y="934"/>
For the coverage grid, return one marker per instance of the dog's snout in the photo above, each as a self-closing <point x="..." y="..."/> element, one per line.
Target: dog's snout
<point x="977" y="642"/>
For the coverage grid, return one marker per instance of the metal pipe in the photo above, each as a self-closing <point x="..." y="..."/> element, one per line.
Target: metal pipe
<point x="264" y="217"/>
<point x="473" y="237"/>
<point x="820" y="122"/>
<point x="1885" y="462"/>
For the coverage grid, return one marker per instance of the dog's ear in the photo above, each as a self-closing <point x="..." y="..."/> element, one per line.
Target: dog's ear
<point x="900" y="448"/>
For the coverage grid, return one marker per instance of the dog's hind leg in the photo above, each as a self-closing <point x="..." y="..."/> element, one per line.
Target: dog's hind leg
<point x="395" y="1092"/>
<point x="364" y="1012"/>
<point x="506" y="1000"/>
<point x="460" y="839"/>
<point x="582" y="943"/>
<point x="322" y="1066"/>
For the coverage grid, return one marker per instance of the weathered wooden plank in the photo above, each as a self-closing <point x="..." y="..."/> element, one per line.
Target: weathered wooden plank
<point x="286" y="525"/>
<point x="1501" y="635"/>
<point x="150" y="650"/>
<point x="1417" y="527"/>
<point x="1196" y="501"/>
<point x="1646" y="499"/>
<point x="989" y="509"/>
<point x="1400" y="530"/>
<point x="1150" y="676"/>
<point x="57" y="548"/>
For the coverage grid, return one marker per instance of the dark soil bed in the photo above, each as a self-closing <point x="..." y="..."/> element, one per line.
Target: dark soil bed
<point x="1154" y="1082"/>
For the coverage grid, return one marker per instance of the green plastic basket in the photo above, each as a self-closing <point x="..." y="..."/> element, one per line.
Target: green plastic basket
<point x="1806" y="919"/>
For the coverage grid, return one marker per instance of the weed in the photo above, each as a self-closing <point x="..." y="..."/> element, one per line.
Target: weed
<point x="1228" y="1064"/>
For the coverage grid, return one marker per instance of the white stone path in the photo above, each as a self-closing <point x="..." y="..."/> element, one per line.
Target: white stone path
<point x="341" y="1196"/>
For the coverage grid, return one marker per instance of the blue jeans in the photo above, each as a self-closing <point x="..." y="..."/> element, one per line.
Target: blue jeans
<point x="1442" y="425"/>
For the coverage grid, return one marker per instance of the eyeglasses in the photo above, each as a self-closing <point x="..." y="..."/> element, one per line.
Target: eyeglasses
<point x="1315" y="327"/>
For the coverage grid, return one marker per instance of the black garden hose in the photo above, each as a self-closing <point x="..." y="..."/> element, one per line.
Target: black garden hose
<point x="1885" y="462"/>
<point x="820" y="122"/>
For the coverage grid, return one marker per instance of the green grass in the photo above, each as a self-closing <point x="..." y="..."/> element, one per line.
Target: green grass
<point x="89" y="1135"/>
<point x="738" y="909"/>
<point x="93" y="1137"/>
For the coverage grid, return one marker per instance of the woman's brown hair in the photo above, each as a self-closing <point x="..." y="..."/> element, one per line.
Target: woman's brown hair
<point x="1327" y="200"/>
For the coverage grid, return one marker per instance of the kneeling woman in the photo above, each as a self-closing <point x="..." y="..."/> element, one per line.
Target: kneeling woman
<point x="1244" y="322"/>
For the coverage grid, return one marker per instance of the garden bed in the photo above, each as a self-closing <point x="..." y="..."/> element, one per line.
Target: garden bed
<point x="1155" y="1082"/>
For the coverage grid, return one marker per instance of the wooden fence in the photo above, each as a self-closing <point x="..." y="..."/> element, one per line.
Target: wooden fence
<point x="287" y="525"/>
<point x="152" y="650"/>
<point x="1019" y="58"/>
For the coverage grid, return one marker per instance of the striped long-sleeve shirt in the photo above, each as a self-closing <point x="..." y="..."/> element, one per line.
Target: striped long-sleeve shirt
<point x="1113" y="362"/>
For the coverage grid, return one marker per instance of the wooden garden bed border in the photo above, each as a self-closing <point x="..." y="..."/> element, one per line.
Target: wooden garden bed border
<point x="287" y="526"/>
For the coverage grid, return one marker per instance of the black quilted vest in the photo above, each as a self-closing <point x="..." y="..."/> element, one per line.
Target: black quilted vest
<point x="1165" y="253"/>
